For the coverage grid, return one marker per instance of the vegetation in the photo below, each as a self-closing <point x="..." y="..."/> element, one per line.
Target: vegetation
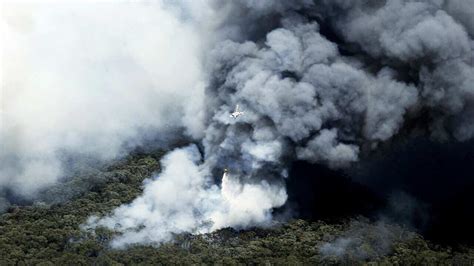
<point x="50" y="234"/>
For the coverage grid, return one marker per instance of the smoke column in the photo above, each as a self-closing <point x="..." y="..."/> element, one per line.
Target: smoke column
<point x="321" y="81"/>
<point x="183" y="198"/>
<point x="93" y="80"/>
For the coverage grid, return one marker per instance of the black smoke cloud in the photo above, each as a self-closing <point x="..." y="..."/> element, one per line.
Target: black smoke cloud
<point x="412" y="59"/>
<point x="324" y="82"/>
<point x="432" y="40"/>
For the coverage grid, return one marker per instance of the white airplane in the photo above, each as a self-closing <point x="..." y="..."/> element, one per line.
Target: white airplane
<point x="236" y="112"/>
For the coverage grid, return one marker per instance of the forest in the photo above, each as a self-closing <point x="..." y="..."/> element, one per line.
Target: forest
<point x="50" y="233"/>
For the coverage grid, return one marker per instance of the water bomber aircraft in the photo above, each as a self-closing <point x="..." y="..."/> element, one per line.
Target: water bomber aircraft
<point x="236" y="112"/>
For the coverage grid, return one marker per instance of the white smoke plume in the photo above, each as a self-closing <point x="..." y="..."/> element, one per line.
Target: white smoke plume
<point x="93" y="79"/>
<point x="183" y="198"/>
<point x="321" y="81"/>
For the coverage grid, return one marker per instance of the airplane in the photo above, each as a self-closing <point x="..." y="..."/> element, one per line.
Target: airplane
<point x="236" y="112"/>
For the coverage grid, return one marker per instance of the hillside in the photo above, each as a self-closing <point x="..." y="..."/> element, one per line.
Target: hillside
<point x="50" y="234"/>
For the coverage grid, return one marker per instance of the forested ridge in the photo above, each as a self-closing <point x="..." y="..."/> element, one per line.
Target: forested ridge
<point x="50" y="234"/>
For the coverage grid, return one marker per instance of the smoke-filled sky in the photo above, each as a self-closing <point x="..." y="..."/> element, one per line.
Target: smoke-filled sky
<point x="320" y="81"/>
<point x="93" y="79"/>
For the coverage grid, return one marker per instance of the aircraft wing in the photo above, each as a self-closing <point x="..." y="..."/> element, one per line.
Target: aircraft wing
<point x="236" y="108"/>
